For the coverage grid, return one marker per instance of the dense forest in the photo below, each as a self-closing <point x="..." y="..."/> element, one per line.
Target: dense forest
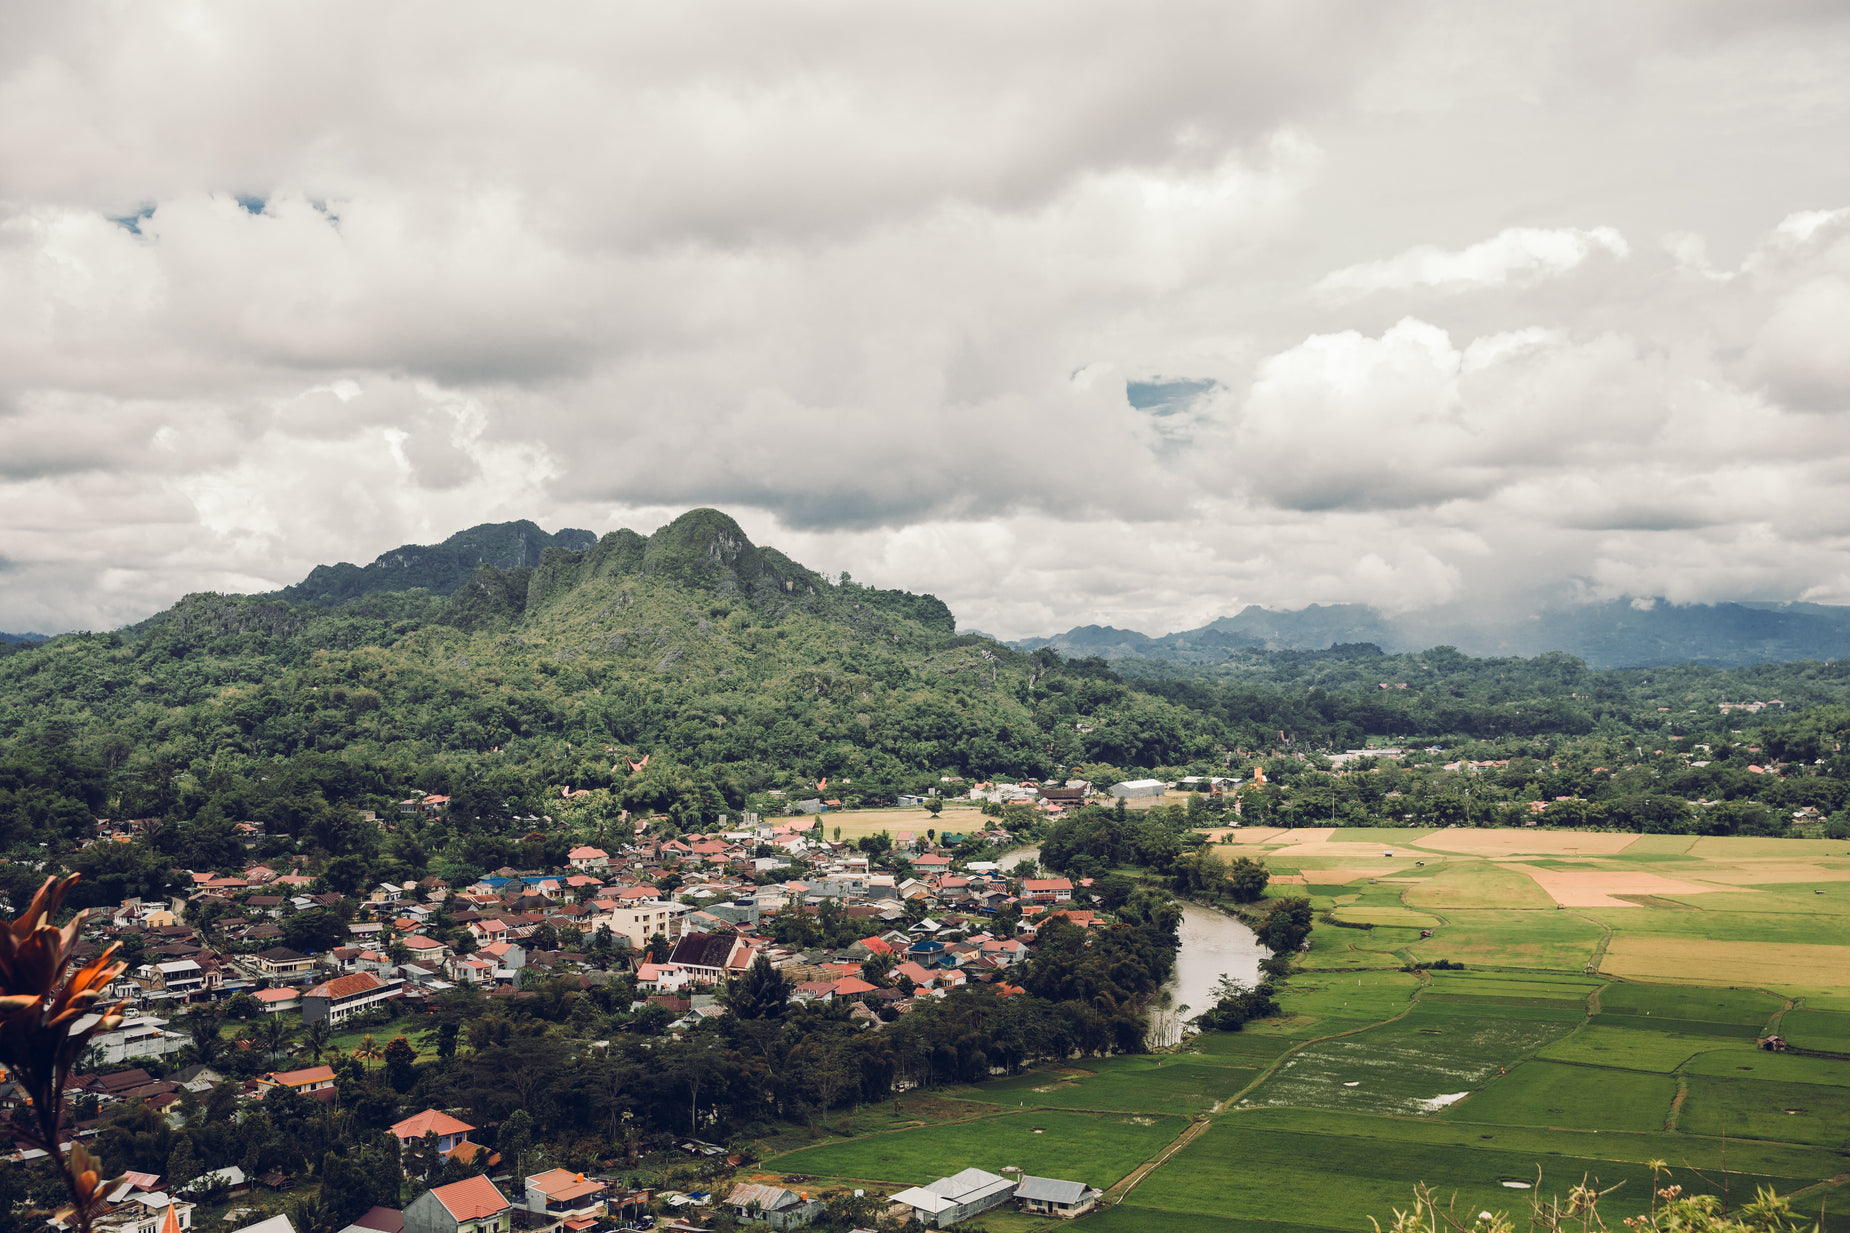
<point x="741" y="675"/>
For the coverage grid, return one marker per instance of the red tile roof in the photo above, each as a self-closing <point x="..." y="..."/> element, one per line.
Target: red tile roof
<point x="471" y="1198"/>
<point x="431" y="1121"/>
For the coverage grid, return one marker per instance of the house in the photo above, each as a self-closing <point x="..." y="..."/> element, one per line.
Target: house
<point x="449" y="1130"/>
<point x="377" y="1220"/>
<point x="709" y="958"/>
<point x="561" y="1194"/>
<point x="588" y="858"/>
<point x="336" y="999"/>
<point x="276" y="1001"/>
<point x="275" y="1224"/>
<point x="150" y="1212"/>
<point x="1048" y="1196"/>
<point x="231" y="1178"/>
<point x="314" y="1081"/>
<point x="1137" y="789"/>
<point x="950" y="1199"/>
<point x="281" y="963"/>
<point x="757" y="1203"/>
<point x="641" y="919"/>
<point x="1047" y="890"/>
<point x="137" y="1037"/>
<point x="426" y="951"/>
<point x="472" y="1205"/>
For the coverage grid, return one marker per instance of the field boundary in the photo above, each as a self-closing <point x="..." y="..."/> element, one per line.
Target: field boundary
<point x="1194" y="1130"/>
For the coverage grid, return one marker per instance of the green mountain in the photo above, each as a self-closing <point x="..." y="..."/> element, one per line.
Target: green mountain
<point x="736" y="669"/>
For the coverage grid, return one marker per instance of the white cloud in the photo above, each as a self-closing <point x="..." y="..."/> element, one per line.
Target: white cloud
<point x="1514" y="256"/>
<point x="875" y="282"/>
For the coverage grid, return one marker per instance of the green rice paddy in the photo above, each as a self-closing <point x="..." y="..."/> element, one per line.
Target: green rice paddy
<point x="1534" y="1056"/>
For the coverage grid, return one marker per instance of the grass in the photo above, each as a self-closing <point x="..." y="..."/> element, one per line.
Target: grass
<point x="1412" y="1067"/>
<point x="1754" y="1108"/>
<point x="1096" y="1148"/>
<point x="1817" y="1029"/>
<point x="1338" y="1181"/>
<point x="1540" y="1093"/>
<point x="1778" y="1067"/>
<point x="1631" y="1048"/>
<point x="1159" y="1084"/>
<point x="1559" y="940"/>
<point x="1477" y="885"/>
<point x="1747" y="1007"/>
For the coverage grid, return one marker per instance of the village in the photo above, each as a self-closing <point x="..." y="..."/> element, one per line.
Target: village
<point x="876" y="926"/>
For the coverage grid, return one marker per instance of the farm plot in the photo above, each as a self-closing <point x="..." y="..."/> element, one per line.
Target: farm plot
<point x="1122" y="1085"/>
<point x="1540" y="1093"/>
<point x="1340" y="1181"/>
<point x="1469" y="885"/>
<point x="1773" y="1067"/>
<point x="1500" y="985"/>
<point x="1562" y="941"/>
<point x="1746" y="1007"/>
<point x="1350" y="995"/>
<point x="1828" y="1030"/>
<point x="1630" y="1048"/>
<point x="1678" y="1027"/>
<point x="1098" y="1148"/>
<point x="1759" y="1109"/>
<point x="1237" y="1048"/>
<point x="1649" y="957"/>
<point x="1414" y="1066"/>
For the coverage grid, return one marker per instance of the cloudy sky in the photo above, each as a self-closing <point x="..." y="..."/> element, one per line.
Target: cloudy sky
<point x="1066" y="312"/>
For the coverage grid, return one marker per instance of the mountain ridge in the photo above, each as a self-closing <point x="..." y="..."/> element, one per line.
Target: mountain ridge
<point x="1616" y="633"/>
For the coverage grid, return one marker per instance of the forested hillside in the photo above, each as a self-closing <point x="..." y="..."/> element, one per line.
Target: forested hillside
<point x="738" y="673"/>
<point x="733" y="668"/>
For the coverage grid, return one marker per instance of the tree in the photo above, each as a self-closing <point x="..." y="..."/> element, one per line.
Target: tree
<point x="315" y="1037"/>
<point x="202" y="1033"/>
<point x="400" y="1064"/>
<point x="934" y="806"/>
<point x="515" y="1139"/>
<point x="273" y="1034"/>
<point x="315" y="930"/>
<point x="1286" y="926"/>
<point x="182" y="1161"/>
<point x="762" y="992"/>
<point x="1247" y="879"/>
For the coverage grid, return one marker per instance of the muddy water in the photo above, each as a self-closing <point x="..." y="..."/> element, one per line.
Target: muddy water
<point x="1213" y="946"/>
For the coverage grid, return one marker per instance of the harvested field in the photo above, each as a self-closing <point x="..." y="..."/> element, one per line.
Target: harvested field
<point x="1775" y="873"/>
<point x="1771" y="964"/>
<point x="1600" y="888"/>
<point x="1510" y="842"/>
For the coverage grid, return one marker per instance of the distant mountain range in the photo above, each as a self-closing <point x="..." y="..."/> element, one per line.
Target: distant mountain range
<point x="23" y="637"/>
<point x="1618" y="633"/>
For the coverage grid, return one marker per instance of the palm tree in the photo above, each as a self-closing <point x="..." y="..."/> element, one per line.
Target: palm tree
<point x="368" y="1049"/>
<point x="315" y="1038"/>
<point x="273" y="1033"/>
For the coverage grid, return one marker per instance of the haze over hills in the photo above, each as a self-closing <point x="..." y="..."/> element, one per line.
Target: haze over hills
<point x="1617" y="633"/>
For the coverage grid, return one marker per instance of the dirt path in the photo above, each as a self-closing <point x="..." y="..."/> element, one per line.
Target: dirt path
<point x="1599" y="951"/>
<point x="1129" y="1182"/>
